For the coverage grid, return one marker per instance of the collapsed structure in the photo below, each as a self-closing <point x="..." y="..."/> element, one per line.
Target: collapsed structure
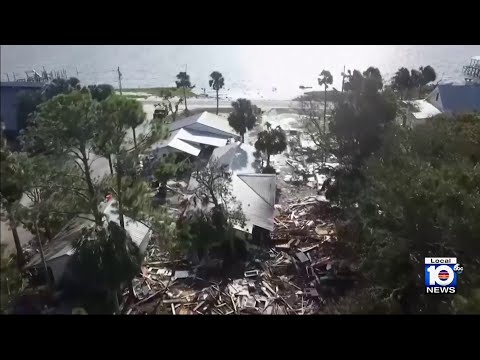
<point x="58" y="252"/>
<point x="298" y="276"/>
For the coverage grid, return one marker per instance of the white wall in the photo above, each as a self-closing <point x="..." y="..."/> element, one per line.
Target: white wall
<point x="432" y="99"/>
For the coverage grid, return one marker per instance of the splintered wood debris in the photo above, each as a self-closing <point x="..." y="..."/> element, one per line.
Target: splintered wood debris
<point x="295" y="277"/>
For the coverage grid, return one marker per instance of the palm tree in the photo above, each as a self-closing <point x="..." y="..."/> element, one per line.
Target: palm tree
<point x="428" y="75"/>
<point x="345" y="75"/>
<point x="216" y="83"/>
<point x="325" y="79"/>
<point x="374" y="74"/>
<point x="401" y="80"/>
<point x="184" y="82"/>
<point x="244" y="116"/>
<point x="271" y="141"/>
<point x="131" y="114"/>
<point x="415" y="79"/>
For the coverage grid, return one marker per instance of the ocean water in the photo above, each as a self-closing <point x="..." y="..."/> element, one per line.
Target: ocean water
<point x="252" y="71"/>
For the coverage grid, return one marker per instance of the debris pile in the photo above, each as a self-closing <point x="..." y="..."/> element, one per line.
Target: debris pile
<point x="302" y="218"/>
<point x="297" y="276"/>
<point x="302" y="174"/>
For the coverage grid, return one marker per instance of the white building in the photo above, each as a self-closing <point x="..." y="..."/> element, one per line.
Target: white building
<point x="194" y="133"/>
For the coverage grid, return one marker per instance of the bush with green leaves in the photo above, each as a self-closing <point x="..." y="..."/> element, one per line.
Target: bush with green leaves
<point x="11" y="281"/>
<point x="105" y="258"/>
<point x="207" y="226"/>
<point x="421" y="197"/>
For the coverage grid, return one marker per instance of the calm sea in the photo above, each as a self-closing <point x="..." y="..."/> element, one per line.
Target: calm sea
<point x="268" y="72"/>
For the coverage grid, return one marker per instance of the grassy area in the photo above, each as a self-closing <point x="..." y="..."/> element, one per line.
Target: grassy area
<point x="159" y="90"/>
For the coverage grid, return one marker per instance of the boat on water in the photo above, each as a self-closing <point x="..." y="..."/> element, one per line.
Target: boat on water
<point x="472" y="71"/>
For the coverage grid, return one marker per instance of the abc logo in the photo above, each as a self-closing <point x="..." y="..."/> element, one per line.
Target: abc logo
<point x="458" y="268"/>
<point x="442" y="275"/>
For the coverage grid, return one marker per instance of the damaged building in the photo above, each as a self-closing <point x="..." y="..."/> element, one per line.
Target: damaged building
<point x="254" y="191"/>
<point x="194" y="134"/>
<point x="58" y="252"/>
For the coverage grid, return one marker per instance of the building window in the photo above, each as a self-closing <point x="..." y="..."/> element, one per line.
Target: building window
<point x="436" y="97"/>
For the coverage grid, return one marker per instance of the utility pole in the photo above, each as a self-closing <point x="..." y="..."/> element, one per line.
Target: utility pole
<point x="119" y="80"/>
<point x="76" y="71"/>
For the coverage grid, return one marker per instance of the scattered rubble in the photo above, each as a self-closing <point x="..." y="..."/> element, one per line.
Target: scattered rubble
<point x="297" y="276"/>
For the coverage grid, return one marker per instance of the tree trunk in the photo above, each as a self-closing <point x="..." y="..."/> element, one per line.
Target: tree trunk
<point x="419" y="91"/>
<point x="243" y="137"/>
<point x="119" y="197"/>
<point x="325" y="111"/>
<point x="325" y="124"/>
<point x="131" y="292"/>
<point x="42" y="256"/>
<point x="134" y="138"/>
<point x="16" y="239"/>
<point x="110" y="163"/>
<point x="214" y="198"/>
<point x="91" y="189"/>
<point x="48" y="231"/>
<point x="185" y="97"/>
<point x="122" y="220"/>
<point x="217" y="102"/>
<point x="116" y="305"/>
<point x="268" y="160"/>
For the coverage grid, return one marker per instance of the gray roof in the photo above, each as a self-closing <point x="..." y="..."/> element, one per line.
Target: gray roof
<point x="460" y="98"/>
<point x="264" y="185"/>
<point x="237" y="157"/>
<point x="137" y="231"/>
<point x="184" y="122"/>
<point x="62" y="243"/>
<point x="255" y="192"/>
<point x="205" y="120"/>
<point x="188" y="140"/>
<point x="175" y="142"/>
